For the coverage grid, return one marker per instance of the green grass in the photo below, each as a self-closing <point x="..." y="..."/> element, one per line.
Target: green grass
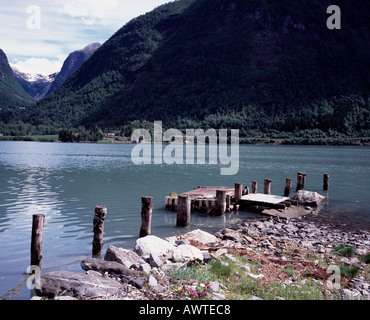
<point x="349" y="271"/>
<point x="241" y="286"/>
<point x="344" y="251"/>
<point x="365" y="258"/>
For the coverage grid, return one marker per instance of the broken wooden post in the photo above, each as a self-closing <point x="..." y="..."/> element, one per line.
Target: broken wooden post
<point x="238" y="192"/>
<point x="254" y="186"/>
<point x="38" y="221"/>
<point x="220" y="203"/>
<point x="288" y="187"/>
<point x="146" y="216"/>
<point x="183" y="211"/>
<point x="303" y="174"/>
<point x="267" y="186"/>
<point x="98" y="222"/>
<point x="326" y="182"/>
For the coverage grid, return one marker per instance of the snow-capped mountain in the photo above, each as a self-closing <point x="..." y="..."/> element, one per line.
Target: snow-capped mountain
<point x="37" y="86"/>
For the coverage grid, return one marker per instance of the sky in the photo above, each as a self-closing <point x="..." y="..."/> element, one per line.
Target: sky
<point x="38" y="35"/>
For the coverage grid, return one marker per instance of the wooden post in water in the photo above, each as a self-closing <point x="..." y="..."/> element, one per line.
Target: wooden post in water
<point x="299" y="181"/>
<point x="228" y="202"/>
<point x="326" y="182"/>
<point x="254" y="186"/>
<point x="183" y="211"/>
<point x="238" y="191"/>
<point x="303" y="174"/>
<point x="146" y="216"/>
<point x="288" y="187"/>
<point x="220" y="203"/>
<point x="98" y="222"/>
<point x="267" y="186"/>
<point x="38" y="221"/>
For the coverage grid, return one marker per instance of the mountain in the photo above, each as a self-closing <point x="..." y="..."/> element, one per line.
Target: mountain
<point x="36" y="86"/>
<point x="72" y="63"/>
<point x="12" y="94"/>
<point x="258" y="66"/>
<point x="39" y="86"/>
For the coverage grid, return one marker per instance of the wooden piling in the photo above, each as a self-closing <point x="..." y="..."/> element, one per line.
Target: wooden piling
<point x="267" y="186"/>
<point x="288" y="187"/>
<point x="38" y="221"/>
<point x="220" y="203"/>
<point x="303" y="174"/>
<point x="98" y="222"/>
<point x="228" y="203"/>
<point x="238" y="192"/>
<point x="183" y="211"/>
<point x="326" y="182"/>
<point x="254" y="186"/>
<point x="146" y="216"/>
<point x="300" y="182"/>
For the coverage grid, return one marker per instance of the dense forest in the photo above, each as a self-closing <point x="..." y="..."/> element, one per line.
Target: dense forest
<point x="269" y="68"/>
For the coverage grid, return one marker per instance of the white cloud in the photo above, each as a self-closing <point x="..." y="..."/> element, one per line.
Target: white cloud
<point x="42" y="66"/>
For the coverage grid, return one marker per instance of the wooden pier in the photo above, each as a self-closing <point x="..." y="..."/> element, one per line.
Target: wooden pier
<point x="218" y="200"/>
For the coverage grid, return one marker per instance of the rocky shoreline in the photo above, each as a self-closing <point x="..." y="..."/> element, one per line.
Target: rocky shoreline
<point x="268" y="253"/>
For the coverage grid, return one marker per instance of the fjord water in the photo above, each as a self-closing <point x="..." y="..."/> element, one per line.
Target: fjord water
<point x="66" y="181"/>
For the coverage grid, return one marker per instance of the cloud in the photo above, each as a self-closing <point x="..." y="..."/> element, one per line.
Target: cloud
<point x="42" y="66"/>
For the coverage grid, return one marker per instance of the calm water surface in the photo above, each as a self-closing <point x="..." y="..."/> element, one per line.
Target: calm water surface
<point x="66" y="181"/>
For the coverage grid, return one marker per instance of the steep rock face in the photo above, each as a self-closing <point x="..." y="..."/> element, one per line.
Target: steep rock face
<point x="36" y="86"/>
<point x="72" y="63"/>
<point x="11" y="92"/>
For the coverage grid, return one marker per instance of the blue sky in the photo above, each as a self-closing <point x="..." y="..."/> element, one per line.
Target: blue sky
<point x="38" y="35"/>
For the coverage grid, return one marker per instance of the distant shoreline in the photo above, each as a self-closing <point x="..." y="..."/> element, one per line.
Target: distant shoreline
<point x="243" y="141"/>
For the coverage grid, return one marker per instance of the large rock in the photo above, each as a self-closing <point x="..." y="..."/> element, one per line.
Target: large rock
<point x="308" y="198"/>
<point x="121" y="255"/>
<point x="187" y="252"/>
<point x="77" y="285"/>
<point x="152" y="244"/>
<point x="197" y="235"/>
<point x="111" y="267"/>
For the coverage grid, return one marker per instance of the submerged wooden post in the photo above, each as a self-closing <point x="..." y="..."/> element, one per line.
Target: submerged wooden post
<point x="98" y="222"/>
<point x="183" y="211"/>
<point x="38" y="221"/>
<point x="254" y="186"/>
<point x="220" y="203"/>
<point x="238" y="191"/>
<point x="326" y="182"/>
<point x="267" y="186"/>
<point x="146" y="216"/>
<point x="288" y="187"/>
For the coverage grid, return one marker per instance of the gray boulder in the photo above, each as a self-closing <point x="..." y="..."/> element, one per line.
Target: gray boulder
<point x="121" y="255"/>
<point x="112" y="267"/>
<point x="151" y="244"/>
<point x="77" y="285"/>
<point x="187" y="252"/>
<point x="308" y="198"/>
